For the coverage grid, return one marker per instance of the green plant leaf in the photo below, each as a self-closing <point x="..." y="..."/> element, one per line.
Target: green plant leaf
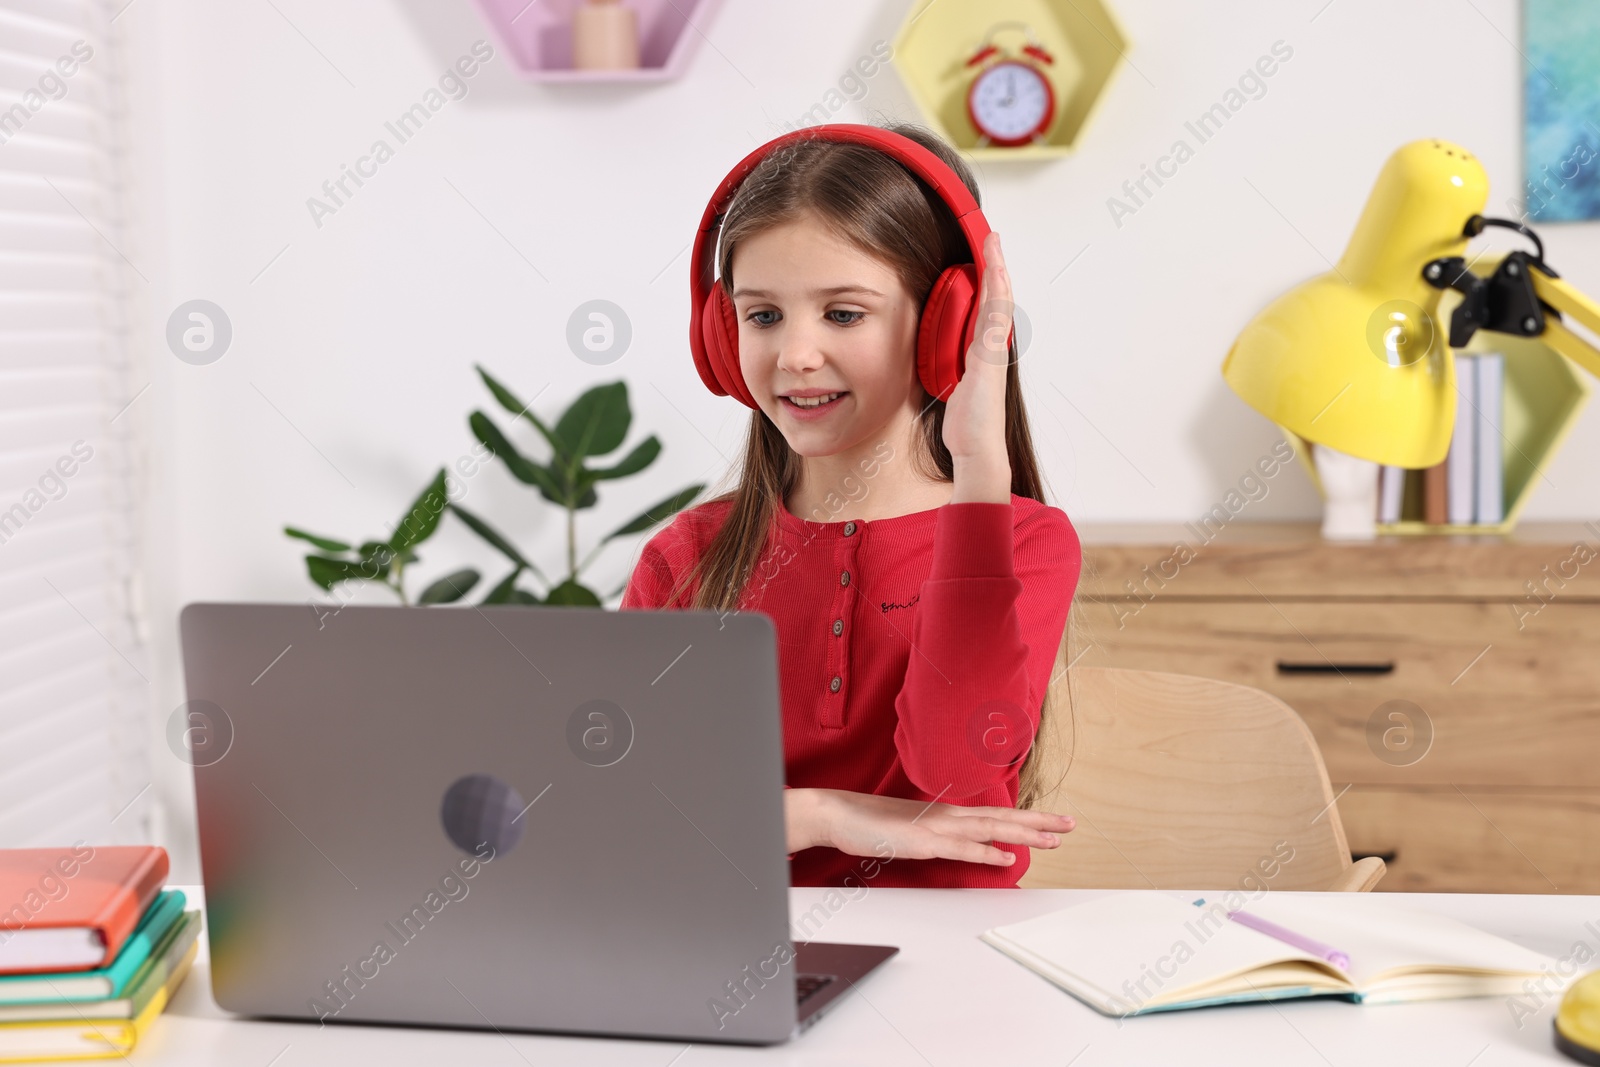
<point x="422" y="517"/>
<point x="572" y="594"/>
<point x="374" y="568"/>
<point x="596" y="422"/>
<point x="582" y="493"/>
<point x="522" y="596"/>
<point x="521" y="467"/>
<point x="330" y="572"/>
<point x="325" y="572"/>
<point x="325" y="543"/>
<point x="587" y="497"/>
<point x="643" y="454"/>
<point x="564" y="494"/>
<point x="451" y="588"/>
<point x="498" y="540"/>
<point x="501" y="594"/>
<point x="491" y="535"/>
<point x="665" y="509"/>
<point x="509" y="401"/>
<point x="380" y="556"/>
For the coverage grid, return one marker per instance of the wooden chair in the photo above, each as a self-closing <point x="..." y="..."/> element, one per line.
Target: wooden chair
<point x="1178" y="782"/>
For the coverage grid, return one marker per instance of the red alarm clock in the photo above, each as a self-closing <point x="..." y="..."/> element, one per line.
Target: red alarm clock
<point x="1012" y="101"/>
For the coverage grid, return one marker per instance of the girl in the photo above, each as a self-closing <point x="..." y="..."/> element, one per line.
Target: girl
<point x="918" y="584"/>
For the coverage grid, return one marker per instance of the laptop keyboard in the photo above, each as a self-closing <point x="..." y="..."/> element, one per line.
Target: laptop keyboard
<point x="807" y="984"/>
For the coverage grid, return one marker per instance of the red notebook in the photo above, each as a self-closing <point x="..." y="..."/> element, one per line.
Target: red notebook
<point x="70" y="909"/>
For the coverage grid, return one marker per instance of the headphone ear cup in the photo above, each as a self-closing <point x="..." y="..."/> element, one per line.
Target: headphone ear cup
<point x="719" y="329"/>
<point x="946" y="329"/>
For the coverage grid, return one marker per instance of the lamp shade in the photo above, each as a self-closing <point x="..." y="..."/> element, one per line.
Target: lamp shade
<point x="1357" y="359"/>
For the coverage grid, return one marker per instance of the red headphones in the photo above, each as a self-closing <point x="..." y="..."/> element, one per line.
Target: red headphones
<point x="949" y="316"/>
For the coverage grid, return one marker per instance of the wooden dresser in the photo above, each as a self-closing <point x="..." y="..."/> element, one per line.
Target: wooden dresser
<point x="1452" y="682"/>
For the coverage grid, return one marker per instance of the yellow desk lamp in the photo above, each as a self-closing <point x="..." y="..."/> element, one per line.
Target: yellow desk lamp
<point x="1354" y="359"/>
<point x="1578" y="1020"/>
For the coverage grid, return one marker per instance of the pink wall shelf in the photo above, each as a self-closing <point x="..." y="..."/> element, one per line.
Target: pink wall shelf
<point x="537" y="34"/>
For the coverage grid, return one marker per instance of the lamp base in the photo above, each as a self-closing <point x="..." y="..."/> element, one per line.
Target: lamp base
<point x="1350" y="490"/>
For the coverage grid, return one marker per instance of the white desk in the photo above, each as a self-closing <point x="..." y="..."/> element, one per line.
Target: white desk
<point x="949" y="1000"/>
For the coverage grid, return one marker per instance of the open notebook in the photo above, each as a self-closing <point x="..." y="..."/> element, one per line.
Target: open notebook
<point x="1131" y="953"/>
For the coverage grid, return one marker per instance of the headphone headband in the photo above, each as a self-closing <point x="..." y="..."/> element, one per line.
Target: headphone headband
<point x="913" y="156"/>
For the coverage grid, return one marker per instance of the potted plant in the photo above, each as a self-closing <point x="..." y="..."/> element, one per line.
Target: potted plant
<point x="594" y="426"/>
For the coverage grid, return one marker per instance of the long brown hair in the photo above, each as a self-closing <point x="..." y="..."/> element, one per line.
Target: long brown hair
<point x="876" y="204"/>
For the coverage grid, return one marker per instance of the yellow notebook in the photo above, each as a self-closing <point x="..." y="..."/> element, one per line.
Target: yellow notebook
<point x="88" y="1039"/>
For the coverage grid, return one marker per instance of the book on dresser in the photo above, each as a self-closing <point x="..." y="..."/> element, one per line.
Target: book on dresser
<point x="1489" y="504"/>
<point x="1461" y="464"/>
<point x="1467" y="487"/>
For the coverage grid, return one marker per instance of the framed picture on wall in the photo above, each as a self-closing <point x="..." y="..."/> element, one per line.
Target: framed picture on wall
<point x="1561" y="111"/>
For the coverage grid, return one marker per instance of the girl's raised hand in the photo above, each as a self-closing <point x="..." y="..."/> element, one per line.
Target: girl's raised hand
<point x="861" y="823"/>
<point x="975" y="410"/>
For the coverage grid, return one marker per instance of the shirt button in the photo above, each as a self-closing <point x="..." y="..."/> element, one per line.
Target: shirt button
<point x="849" y="528"/>
<point x="833" y="686"/>
<point x="838" y="627"/>
<point x="844" y="577"/>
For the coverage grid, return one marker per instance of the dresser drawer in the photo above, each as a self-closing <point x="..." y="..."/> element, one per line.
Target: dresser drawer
<point x="1470" y="840"/>
<point x="1505" y="706"/>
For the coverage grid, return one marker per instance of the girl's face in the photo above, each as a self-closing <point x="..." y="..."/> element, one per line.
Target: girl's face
<point x="819" y="318"/>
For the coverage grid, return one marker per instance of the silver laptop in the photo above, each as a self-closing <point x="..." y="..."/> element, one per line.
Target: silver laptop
<point x="526" y="818"/>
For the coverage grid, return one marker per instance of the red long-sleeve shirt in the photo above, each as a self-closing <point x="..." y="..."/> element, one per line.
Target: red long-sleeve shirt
<point x="914" y="652"/>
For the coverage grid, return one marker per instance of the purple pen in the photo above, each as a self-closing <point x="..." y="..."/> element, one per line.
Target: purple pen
<point x="1289" y="937"/>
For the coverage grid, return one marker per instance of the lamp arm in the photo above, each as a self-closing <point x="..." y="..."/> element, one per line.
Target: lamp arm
<point x="1506" y="301"/>
<point x="1522" y="297"/>
<point x="1516" y="297"/>
<point x="1561" y="295"/>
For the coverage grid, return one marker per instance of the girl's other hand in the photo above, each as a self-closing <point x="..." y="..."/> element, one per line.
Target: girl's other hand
<point x="861" y="823"/>
<point x="975" y="410"/>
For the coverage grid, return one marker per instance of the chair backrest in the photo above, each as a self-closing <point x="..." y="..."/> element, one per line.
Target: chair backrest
<point x="1179" y="782"/>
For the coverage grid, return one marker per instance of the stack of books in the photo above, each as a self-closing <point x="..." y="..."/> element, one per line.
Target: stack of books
<point x="1467" y="487"/>
<point x="91" y="949"/>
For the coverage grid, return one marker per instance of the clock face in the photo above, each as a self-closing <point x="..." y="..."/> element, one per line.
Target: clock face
<point x="1010" y="102"/>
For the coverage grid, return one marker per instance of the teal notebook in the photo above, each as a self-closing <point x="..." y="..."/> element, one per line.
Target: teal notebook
<point x="1135" y="952"/>
<point x="174" y="950"/>
<point x="105" y="982"/>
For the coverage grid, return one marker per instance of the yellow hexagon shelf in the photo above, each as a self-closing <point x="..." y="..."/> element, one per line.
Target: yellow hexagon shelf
<point x="933" y="46"/>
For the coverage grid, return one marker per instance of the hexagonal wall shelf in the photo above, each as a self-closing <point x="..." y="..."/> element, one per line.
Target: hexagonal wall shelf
<point x="538" y="34"/>
<point x="937" y="39"/>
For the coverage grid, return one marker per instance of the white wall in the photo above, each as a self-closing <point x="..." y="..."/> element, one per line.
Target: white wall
<point x="364" y="331"/>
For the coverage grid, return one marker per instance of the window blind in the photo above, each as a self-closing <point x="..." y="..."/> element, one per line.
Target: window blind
<point x="74" y="699"/>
